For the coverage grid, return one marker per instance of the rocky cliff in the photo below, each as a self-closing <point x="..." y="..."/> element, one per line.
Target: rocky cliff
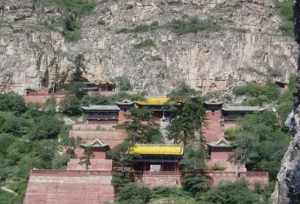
<point x="287" y="188"/>
<point x="238" y="41"/>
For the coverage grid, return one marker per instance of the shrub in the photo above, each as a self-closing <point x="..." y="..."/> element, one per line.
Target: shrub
<point x="286" y="13"/>
<point x="193" y="25"/>
<point x="146" y="43"/>
<point x="12" y="102"/>
<point x="46" y="127"/>
<point x="141" y="113"/>
<point x="133" y="193"/>
<point x="230" y="193"/>
<point x="258" y="94"/>
<point x="195" y="183"/>
<point x="71" y="106"/>
<point x="141" y="28"/>
<point x="123" y="83"/>
<point x="72" y="11"/>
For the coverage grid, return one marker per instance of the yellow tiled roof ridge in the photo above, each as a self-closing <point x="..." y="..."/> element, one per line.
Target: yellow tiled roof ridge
<point x="155" y="100"/>
<point x="156" y="149"/>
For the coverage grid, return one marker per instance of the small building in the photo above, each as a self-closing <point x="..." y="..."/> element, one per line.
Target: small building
<point x="156" y="157"/>
<point x="98" y="161"/>
<point x="97" y="147"/>
<point x="233" y="113"/>
<point x="125" y="105"/>
<point x="213" y="105"/>
<point x="101" y="113"/>
<point x="158" y="105"/>
<point x="106" y="86"/>
<point x="157" y="165"/>
<point x="89" y="87"/>
<point x="220" y="156"/>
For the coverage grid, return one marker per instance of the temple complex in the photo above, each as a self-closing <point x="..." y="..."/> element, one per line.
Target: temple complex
<point x="153" y="165"/>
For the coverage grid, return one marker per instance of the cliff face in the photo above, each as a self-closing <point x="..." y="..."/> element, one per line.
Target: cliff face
<point x="287" y="189"/>
<point x="240" y="41"/>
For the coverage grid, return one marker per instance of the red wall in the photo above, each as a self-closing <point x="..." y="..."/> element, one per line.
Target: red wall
<point x="213" y="126"/>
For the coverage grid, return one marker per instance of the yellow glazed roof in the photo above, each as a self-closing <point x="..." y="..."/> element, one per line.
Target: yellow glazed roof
<point x="158" y="101"/>
<point x="156" y="149"/>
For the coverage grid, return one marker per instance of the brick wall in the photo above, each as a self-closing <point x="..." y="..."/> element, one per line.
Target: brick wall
<point x="157" y="179"/>
<point x="109" y="137"/>
<point x="66" y="187"/>
<point x="213" y="129"/>
<point x="253" y="178"/>
<point x="42" y="99"/>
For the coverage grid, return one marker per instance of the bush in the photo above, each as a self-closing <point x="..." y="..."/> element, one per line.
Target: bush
<point x="258" y="94"/>
<point x="133" y="193"/>
<point x="286" y="13"/>
<point x="141" y="113"/>
<point x="71" y="106"/>
<point x="140" y="28"/>
<point x="123" y="83"/>
<point x="12" y="102"/>
<point x="230" y="193"/>
<point x="73" y="10"/>
<point x="193" y="25"/>
<point x="145" y="43"/>
<point x="195" y="183"/>
<point x="46" y="127"/>
<point x="260" y="143"/>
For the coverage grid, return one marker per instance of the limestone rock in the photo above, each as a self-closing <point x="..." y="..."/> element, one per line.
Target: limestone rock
<point x="247" y="47"/>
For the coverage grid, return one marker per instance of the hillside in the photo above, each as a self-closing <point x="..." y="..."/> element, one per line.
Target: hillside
<point x="210" y="45"/>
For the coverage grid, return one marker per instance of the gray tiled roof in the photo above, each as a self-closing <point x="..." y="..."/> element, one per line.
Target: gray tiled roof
<point x="242" y="108"/>
<point x="101" y="107"/>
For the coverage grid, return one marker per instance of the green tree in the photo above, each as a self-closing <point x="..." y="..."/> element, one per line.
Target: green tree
<point x="230" y="193"/>
<point x="187" y="121"/>
<point x="123" y="83"/>
<point x="46" y="127"/>
<point x="12" y="102"/>
<point x="71" y="106"/>
<point x="135" y="194"/>
<point x="261" y="143"/>
<point x="86" y="158"/>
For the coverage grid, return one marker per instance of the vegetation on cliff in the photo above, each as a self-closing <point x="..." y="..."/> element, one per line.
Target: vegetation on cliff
<point x="29" y="138"/>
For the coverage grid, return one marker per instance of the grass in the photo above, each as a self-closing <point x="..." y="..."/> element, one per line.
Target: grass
<point x="144" y="44"/>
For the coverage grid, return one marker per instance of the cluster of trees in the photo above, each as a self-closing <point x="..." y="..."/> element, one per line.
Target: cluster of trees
<point x="225" y="193"/>
<point x="261" y="142"/>
<point x="28" y="139"/>
<point x="258" y="94"/>
<point x="262" y="139"/>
